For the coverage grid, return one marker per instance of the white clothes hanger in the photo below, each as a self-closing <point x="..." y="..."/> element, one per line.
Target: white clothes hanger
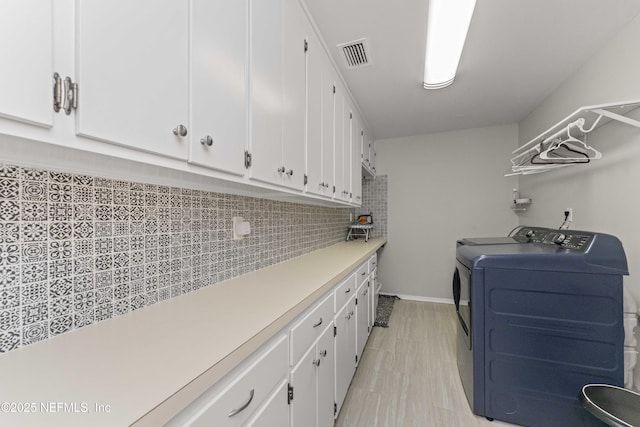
<point x="573" y="145"/>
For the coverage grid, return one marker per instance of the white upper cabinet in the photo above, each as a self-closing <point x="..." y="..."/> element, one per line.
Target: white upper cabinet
<point x="316" y="60"/>
<point x="219" y="46"/>
<point x="338" y="142"/>
<point x="328" y="128"/>
<point x="26" y="49"/>
<point x="356" y="162"/>
<point x="266" y="72"/>
<point x="132" y="64"/>
<point x="278" y="92"/>
<point x="294" y="94"/>
<point x="345" y="192"/>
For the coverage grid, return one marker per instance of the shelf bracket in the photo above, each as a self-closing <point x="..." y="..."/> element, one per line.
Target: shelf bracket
<point x="616" y="116"/>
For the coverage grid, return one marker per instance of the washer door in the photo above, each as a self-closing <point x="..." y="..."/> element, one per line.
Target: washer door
<point x="461" y="298"/>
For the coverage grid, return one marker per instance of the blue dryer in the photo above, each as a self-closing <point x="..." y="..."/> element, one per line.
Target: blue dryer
<point x="539" y="316"/>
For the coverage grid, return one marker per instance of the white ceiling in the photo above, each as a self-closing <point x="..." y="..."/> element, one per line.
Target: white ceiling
<point x="517" y="52"/>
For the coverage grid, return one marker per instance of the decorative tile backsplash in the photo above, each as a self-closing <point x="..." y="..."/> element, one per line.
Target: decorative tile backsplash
<point x="374" y="201"/>
<point x="77" y="249"/>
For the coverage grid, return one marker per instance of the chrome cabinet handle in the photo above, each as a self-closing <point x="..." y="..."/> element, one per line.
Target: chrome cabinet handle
<point x="281" y="169"/>
<point x="243" y="407"/>
<point x="316" y="362"/>
<point x="347" y="291"/>
<point x="180" y="130"/>
<point x="290" y="172"/>
<point x="318" y="324"/>
<point x="207" y="140"/>
<point x="323" y="353"/>
<point x="347" y="316"/>
<point x="363" y="273"/>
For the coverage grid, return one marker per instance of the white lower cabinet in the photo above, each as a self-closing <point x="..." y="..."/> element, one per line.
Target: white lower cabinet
<point x="300" y="378"/>
<point x="362" y="317"/>
<point x="312" y="382"/>
<point x="232" y="401"/>
<point x="345" y="350"/>
<point x="275" y="410"/>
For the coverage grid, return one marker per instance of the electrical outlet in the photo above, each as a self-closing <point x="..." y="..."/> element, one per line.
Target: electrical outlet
<point x="570" y="216"/>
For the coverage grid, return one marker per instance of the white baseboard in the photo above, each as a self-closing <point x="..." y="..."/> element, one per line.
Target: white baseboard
<point x="421" y="298"/>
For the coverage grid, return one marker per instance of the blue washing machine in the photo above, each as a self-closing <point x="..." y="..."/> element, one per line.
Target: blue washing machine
<point x="539" y="316"/>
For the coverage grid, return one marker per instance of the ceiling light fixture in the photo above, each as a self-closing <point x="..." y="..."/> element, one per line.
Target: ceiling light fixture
<point x="447" y="27"/>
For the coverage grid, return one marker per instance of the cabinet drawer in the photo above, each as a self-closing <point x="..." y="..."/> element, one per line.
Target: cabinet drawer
<point x="373" y="262"/>
<point x="362" y="273"/>
<point x="345" y="290"/>
<point x="310" y="327"/>
<point x="244" y="393"/>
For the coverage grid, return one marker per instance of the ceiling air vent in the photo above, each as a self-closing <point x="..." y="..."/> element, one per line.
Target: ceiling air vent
<point x="356" y="53"/>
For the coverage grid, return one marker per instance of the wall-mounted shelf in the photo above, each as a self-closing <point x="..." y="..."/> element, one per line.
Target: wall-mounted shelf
<point x="564" y="144"/>
<point x="521" y="205"/>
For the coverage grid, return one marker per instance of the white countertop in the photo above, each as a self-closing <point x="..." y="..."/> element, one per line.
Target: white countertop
<point x="143" y="367"/>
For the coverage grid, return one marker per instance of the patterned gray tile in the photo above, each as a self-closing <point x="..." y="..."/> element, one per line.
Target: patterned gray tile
<point x="35" y="332"/>
<point x="33" y="211"/>
<point x="60" y="193"/>
<point x="9" y="254"/>
<point x="83" y="318"/>
<point x="9" y="210"/>
<point x="10" y="319"/>
<point x="34" y="191"/>
<point x="59" y="249"/>
<point x="9" y="171"/>
<point x="60" y="212"/>
<point x="60" y="287"/>
<point x="83" y="283"/>
<point x="34" y="293"/>
<point x="60" y="230"/>
<point x="9" y="341"/>
<point x="82" y="180"/>
<point x="32" y="313"/>
<point x="60" y="325"/>
<point x="9" y="188"/>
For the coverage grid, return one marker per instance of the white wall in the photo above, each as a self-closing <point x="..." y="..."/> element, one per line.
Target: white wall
<point x="603" y="194"/>
<point x="442" y="187"/>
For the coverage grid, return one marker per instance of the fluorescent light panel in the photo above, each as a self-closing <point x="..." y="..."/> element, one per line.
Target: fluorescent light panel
<point x="447" y="27"/>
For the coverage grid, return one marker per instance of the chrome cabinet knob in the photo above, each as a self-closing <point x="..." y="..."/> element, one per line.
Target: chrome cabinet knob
<point x="207" y="140"/>
<point x="180" y="130"/>
<point x="316" y="362"/>
<point x="290" y="172"/>
<point x="323" y="353"/>
<point x="281" y="169"/>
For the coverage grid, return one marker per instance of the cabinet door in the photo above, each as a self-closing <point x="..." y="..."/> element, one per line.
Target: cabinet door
<point x="274" y="412"/>
<point x="315" y="61"/>
<point x="356" y="161"/>
<point x="362" y="318"/>
<point x="26" y="48"/>
<point x="372" y="304"/>
<point x="266" y="71"/>
<point x="346" y="149"/>
<point x="326" y="379"/>
<point x="303" y="379"/>
<point x="219" y="44"/>
<point x="338" y="143"/>
<point x="345" y="350"/>
<point x="294" y="94"/>
<point x="328" y="128"/>
<point x="133" y="80"/>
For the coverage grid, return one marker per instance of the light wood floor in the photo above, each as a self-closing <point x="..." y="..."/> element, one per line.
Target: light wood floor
<point x="408" y="374"/>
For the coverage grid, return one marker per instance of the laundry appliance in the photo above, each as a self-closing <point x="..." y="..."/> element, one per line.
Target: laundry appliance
<point x="539" y="316"/>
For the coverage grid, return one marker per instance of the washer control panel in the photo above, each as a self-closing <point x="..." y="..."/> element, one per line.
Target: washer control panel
<point x="568" y="239"/>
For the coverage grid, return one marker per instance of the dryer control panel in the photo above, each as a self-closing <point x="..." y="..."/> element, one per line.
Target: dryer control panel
<point x="568" y="239"/>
